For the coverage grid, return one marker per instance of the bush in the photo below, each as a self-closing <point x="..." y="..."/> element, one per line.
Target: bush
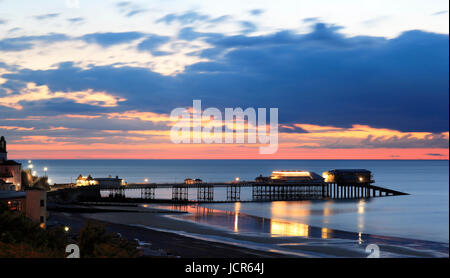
<point x="24" y="250"/>
<point x="22" y="238"/>
<point x="95" y="242"/>
<point x="16" y="228"/>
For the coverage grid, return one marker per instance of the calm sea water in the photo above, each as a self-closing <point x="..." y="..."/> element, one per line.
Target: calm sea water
<point x="422" y="215"/>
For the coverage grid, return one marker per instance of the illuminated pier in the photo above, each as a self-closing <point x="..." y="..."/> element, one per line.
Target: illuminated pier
<point x="282" y="185"/>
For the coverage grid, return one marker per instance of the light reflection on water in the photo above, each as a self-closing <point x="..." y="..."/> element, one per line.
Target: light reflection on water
<point x="237" y="222"/>
<point x="244" y="224"/>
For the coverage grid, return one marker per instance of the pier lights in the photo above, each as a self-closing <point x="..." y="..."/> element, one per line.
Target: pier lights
<point x="45" y="171"/>
<point x="237" y="179"/>
<point x="361" y="179"/>
<point x="146" y="180"/>
<point x="66" y="229"/>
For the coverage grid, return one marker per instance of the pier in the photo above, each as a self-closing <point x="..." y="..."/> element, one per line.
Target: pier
<point x="288" y="185"/>
<point x="260" y="192"/>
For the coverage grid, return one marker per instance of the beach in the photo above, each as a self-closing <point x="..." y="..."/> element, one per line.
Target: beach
<point x="171" y="244"/>
<point x="185" y="237"/>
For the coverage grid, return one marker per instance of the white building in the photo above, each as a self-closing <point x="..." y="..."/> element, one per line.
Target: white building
<point x="10" y="171"/>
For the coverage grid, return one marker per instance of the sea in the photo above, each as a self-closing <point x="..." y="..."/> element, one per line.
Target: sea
<point x="422" y="215"/>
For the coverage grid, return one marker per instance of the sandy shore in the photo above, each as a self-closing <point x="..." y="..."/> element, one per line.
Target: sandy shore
<point x="174" y="245"/>
<point x="184" y="236"/>
<point x="291" y="246"/>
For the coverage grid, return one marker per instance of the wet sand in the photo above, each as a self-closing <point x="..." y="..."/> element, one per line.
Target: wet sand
<point x="157" y="220"/>
<point x="172" y="244"/>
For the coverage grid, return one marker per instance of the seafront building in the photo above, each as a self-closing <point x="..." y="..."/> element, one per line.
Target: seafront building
<point x="192" y="181"/>
<point x="102" y="182"/>
<point x="291" y="176"/>
<point x="10" y="170"/>
<point x="32" y="202"/>
<point x="348" y="176"/>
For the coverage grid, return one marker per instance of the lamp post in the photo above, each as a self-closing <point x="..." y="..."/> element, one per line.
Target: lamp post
<point x="45" y="171"/>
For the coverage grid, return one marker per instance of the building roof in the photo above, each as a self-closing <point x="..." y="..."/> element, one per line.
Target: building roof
<point x="108" y="179"/>
<point x="350" y="171"/>
<point x="9" y="163"/>
<point x="6" y="194"/>
<point x="295" y="175"/>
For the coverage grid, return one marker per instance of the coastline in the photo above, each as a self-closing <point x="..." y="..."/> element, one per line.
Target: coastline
<point x="170" y="244"/>
<point x="150" y="221"/>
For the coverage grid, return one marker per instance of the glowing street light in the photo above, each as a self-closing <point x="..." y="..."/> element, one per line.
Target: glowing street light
<point x="45" y="171"/>
<point x="66" y="229"/>
<point x="237" y="179"/>
<point x="34" y="173"/>
<point x="146" y="180"/>
<point x="31" y="166"/>
<point x="49" y="181"/>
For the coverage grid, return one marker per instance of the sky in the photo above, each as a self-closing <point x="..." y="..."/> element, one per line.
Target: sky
<point x="99" y="79"/>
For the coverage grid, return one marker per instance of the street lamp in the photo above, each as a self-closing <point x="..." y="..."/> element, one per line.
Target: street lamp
<point x="146" y="180"/>
<point x="45" y="171"/>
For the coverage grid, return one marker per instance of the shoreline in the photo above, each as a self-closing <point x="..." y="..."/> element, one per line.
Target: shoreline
<point x="157" y="220"/>
<point x="171" y="244"/>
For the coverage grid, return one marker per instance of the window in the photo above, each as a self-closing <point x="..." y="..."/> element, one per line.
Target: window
<point x="42" y="203"/>
<point x="42" y="219"/>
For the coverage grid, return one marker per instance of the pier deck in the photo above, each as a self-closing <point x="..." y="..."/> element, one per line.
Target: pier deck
<point x="261" y="192"/>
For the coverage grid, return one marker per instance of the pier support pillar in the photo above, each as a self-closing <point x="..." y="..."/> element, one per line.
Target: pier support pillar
<point x="233" y="192"/>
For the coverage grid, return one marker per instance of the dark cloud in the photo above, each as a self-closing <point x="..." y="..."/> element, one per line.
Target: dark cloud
<point x="311" y="19"/>
<point x="408" y="141"/>
<point x="440" y="12"/>
<point x="130" y="9"/>
<point x="135" y="12"/>
<point x="75" y="19"/>
<point x="188" y="17"/>
<point x="152" y="43"/>
<point x="290" y="129"/>
<point x="110" y="39"/>
<point x="256" y="12"/>
<point x="435" y="154"/>
<point x="123" y="4"/>
<point x="248" y="27"/>
<point x="27" y="42"/>
<point x="321" y="77"/>
<point x="15" y="29"/>
<point x="46" y="16"/>
<point x="374" y="142"/>
<point x="220" y="19"/>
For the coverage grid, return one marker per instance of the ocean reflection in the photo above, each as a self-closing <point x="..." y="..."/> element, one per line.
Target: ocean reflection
<point x="240" y="223"/>
<point x="279" y="228"/>
<point x="237" y="222"/>
<point x="237" y="208"/>
<point x="361" y="212"/>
